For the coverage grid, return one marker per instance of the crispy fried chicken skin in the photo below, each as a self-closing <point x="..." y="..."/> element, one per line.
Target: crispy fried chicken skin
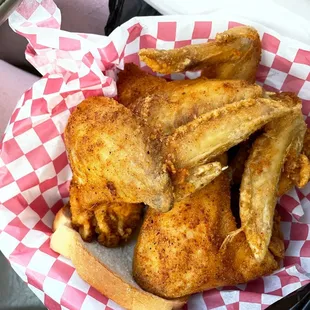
<point x="213" y="133"/>
<point x="112" y="160"/>
<point x="179" y="253"/>
<point x="164" y="106"/>
<point x="296" y="169"/>
<point x="234" y="54"/>
<point x="180" y="102"/>
<point x="261" y="176"/>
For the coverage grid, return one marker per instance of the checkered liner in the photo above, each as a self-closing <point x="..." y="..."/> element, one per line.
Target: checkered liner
<point x="34" y="171"/>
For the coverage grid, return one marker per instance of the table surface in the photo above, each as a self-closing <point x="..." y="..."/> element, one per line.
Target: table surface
<point x="14" y="293"/>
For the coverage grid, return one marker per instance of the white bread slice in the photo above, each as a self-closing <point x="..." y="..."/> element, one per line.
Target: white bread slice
<point x="109" y="270"/>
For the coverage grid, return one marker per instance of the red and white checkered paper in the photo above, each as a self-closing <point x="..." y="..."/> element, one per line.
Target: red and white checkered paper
<point x="34" y="171"/>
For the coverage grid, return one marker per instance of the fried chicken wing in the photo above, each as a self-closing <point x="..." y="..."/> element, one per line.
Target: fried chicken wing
<point x="215" y="132"/>
<point x="261" y="176"/>
<point x="164" y="106"/>
<point x="179" y="253"/>
<point x="112" y="160"/>
<point x="295" y="171"/>
<point x="235" y="54"/>
<point x="179" y="102"/>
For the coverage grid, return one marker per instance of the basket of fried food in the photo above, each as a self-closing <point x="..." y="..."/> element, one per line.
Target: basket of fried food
<point x="175" y="184"/>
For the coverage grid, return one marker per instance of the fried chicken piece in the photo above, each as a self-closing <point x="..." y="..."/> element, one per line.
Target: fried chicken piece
<point x="167" y="105"/>
<point x="179" y="253"/>
<point x="261" y="176"/>
<point x="235" y="54"/>
<point x="112" y="160"/>
<point x="180" y="102"/>
<point x="215" y="132"/>
<point x="164" y="106"/>
<point x="296" y="169"/>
